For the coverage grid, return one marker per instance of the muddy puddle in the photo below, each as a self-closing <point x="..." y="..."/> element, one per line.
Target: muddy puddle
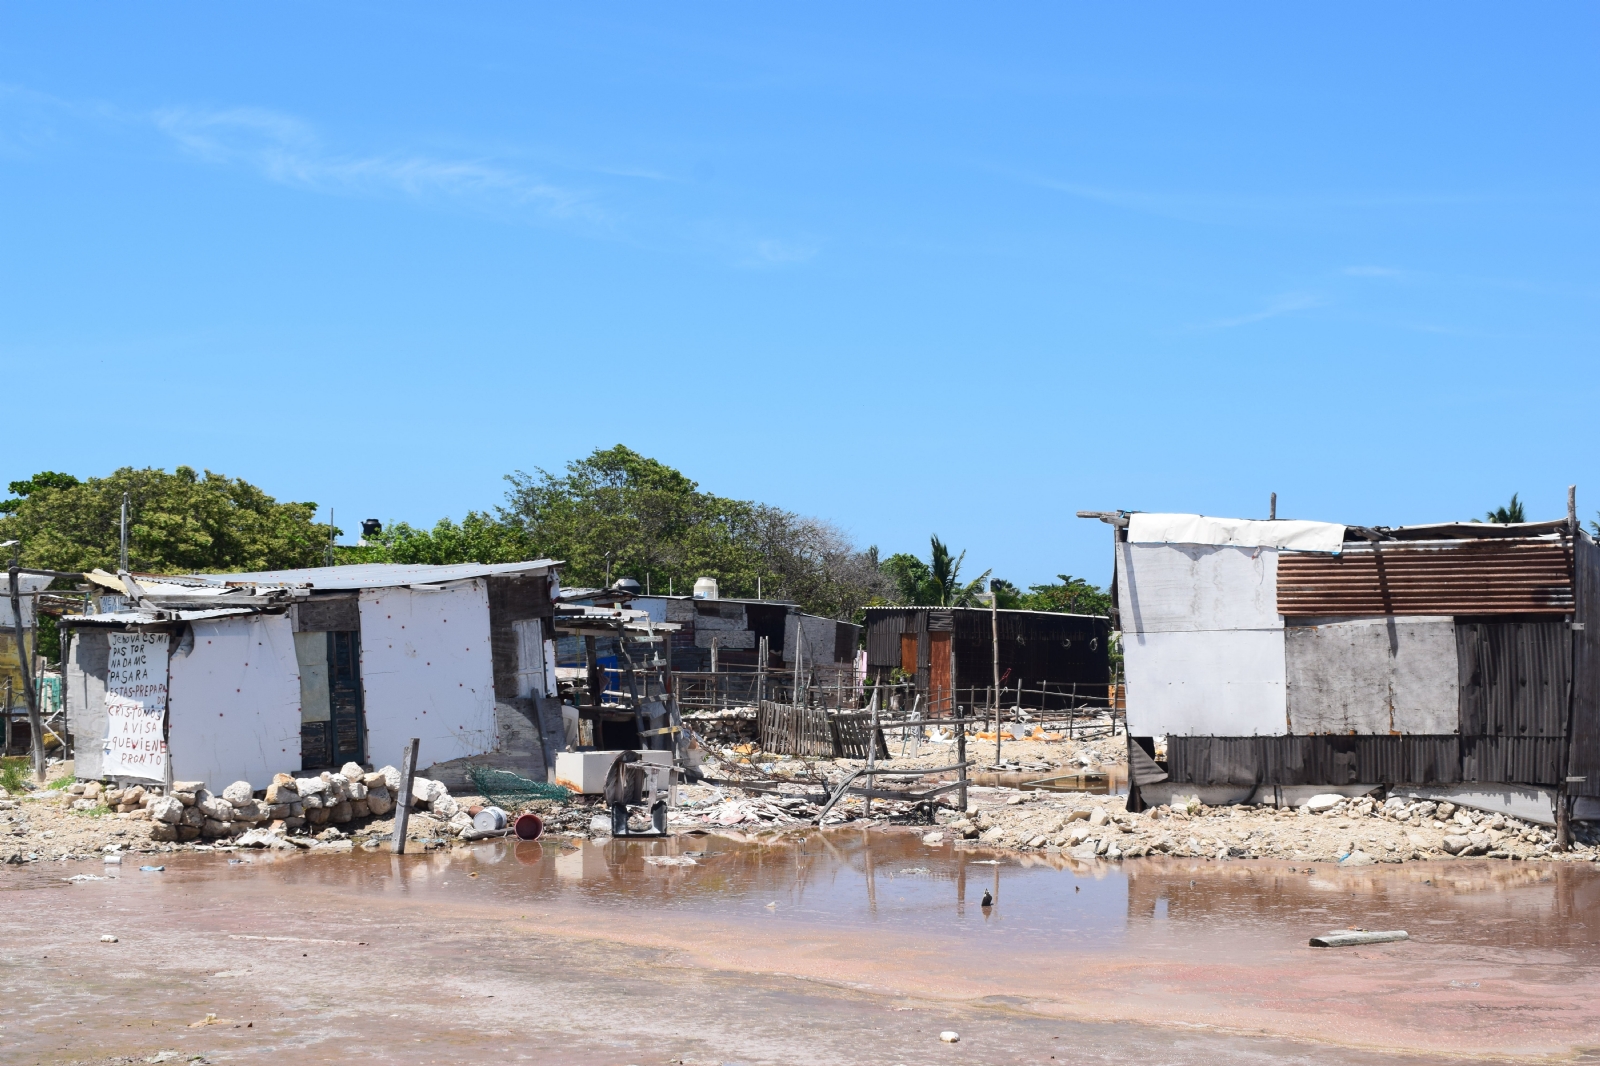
<point x="846" y="946"/>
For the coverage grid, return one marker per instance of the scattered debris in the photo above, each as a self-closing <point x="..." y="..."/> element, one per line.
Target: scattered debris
<point x="950" y="1036"/>
<point x="1343" y="938"/>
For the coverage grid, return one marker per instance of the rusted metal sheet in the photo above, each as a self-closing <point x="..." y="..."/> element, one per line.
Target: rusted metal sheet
<point x="1513" y="679"/>
<point x="1516" y="760"/>
<point x="1320" y="760"/>
<point x="1478" y="578"/>
<point x="1585" y="755"/>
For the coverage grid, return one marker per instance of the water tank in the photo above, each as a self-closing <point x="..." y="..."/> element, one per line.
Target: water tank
<point x="627" y="584"/>
<point x="705" y="588"/>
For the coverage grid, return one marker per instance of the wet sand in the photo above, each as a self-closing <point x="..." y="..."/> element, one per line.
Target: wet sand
<point x="847" y="946"/>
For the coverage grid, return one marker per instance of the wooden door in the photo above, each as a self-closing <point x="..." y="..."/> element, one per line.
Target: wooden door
<point x="939" y="694"/>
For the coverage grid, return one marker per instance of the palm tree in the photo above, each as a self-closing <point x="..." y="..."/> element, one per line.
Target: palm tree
<point x="946" y="578"/>
<point x="1508" y="515"/>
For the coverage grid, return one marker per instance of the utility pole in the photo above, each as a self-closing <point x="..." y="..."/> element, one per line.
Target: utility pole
<point x="35" y="727"/>
<point x="1272" y="515"/>
<point x="122" y="539"/>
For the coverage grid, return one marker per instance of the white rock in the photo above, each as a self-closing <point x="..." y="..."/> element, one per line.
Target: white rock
<point x="950" y="1036"/>
<point x="1098" y="817"/>
<point x="238" y="792"/>
<point x="358" y="791"/>
<point x="379" y="801"/>
<point x="215" y="807"/>
<point x="933" y="840"/>
<point x="1357" y="858"/>
<point x="445" y="806"/>
<point x="338" y="786"/>
<point x="166" y="809"/>
<point x="108" y="939"/>
<point x="352" y="771"/>
<point x="1325" y="802"/>
<point x="460" y="822"/>
<point x="1455" y="845"/>
<point x="310" y="786"/>
<point x="392" y="777"/>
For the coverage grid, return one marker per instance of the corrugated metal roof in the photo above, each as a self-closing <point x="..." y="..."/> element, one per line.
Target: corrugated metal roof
<point x="386" y="575"/>
<point x="1528" y="576"/>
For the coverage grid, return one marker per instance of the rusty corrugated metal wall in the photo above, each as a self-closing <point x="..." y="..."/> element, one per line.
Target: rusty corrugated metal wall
<point x="1585" y="754"/>
<point x="1513" y="678"/>
<point x="1478" y="578"/>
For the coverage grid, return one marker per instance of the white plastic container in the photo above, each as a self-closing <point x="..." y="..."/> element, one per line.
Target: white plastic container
<point x="705" y="588"/>
<point x="585" y="771"/>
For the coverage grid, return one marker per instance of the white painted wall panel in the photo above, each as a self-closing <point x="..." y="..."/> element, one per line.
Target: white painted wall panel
<point x="426" y="672"/>
<point x="1183" y="588"/>
<point x="85" y="682"/>
<point x="1373" y="675"/>
<point x="233" y="702"/>
<point x="1224" y="684"/>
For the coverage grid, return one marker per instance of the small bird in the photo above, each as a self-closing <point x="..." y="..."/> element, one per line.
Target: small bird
<point x="988" y="900"/>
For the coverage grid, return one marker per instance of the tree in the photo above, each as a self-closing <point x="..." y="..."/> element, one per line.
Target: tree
<point x="179" y="523"/>
<point x="936" y="583"/>
<point x="619" y="514"/>
<point x="1508" y="515"/>
<point x="1070" y="595"/>
<point x="478" y="538"/>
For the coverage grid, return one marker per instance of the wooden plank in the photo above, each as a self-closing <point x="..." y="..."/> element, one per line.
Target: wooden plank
<point x="402" y="808"/>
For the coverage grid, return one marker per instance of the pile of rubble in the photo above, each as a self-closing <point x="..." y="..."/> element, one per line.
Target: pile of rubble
<point x="290" y="805"/>
<point x="1351" y="831"/>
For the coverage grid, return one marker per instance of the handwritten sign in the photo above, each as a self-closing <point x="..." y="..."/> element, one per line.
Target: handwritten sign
<point x="136" y="706"/>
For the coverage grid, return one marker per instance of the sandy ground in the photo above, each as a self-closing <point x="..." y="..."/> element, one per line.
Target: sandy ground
<point x="841" y="946"/>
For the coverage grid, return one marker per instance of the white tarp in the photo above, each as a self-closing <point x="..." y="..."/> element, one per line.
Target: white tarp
<point x="235" y="706"/>
<point x="1290" y="535"/>
<point x="1202" y="640"/>
<point x="1180" y="588"/>
<point x="26" y="583"/>
<point x="1373" y="675"/>
<point x="1215" y="684"/>
<point x="426" y="672"/>
<point x="136" y="707"/>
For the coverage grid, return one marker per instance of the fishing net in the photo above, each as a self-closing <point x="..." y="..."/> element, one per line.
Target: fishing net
<point x="506" y="789"/>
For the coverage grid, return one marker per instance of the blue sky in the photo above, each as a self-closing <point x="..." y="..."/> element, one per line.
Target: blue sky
<point x="912" y="268"/>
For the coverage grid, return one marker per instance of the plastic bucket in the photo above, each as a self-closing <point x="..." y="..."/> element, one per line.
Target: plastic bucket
<point x="529" y="826"/>
<point x="489" y="820"/>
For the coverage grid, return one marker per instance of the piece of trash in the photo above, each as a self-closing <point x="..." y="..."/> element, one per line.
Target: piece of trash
<point x="933" y="839"/>
<point x="151" y="869"/>
<point x="950" y="1036"/>
<point x="165" y="1056"/>
<point x="1343" y="938"/>
<point x="113" y="860"/>
<point x="108" y="939"/>
<point x="87" y="877"/>
<point x="670" y="860"/>
<point x="772" y="906"/>
<point x="210" y="1019"/>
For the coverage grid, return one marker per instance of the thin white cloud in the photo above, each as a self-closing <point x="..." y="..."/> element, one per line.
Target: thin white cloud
<point x="1284" y="305"/>
<point x="283" y="149"/>
<point x="1373" y="272"/>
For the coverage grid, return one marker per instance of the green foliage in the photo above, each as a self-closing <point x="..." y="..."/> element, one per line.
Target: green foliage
<point x="1068" y="594"/>
<point x="62" y="782"/>
<point x="478" y="538"/>
<point x="936" y="583"/>
<point x="14" y="775"/>
<point x="180" y="522"/>
<point x="1512" y="513"/>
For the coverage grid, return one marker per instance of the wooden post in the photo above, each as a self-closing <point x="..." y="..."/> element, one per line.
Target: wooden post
<point x="1575" y="621"/>
<point x="960" y="726"/>
<point x="35" y="727"/>
<point x="402" y="801"/>
<point x="872" y="750"/>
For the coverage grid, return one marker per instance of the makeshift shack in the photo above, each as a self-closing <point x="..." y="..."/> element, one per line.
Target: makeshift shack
<point x="1273" y="659"/>
<point x="242" y="676"/>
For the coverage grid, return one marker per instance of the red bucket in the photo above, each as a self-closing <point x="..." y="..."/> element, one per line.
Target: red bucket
<point x="529" y="826"/>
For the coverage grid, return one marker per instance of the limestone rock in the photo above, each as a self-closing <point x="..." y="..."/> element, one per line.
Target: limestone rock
<point x="1084" y="850"/>
<point x="283" y="779"/>
<point x="391" y="778"/>
<point x="352" y="771"/>
<point x="460" y="822"/>
<point x="133" y="796"/>
<point x="357" y="790"/>
<point x="1357" y="858"/>
<point x="317" y="815"/>
<point x="341" y="812"/>
<point x="1079" y="834"/>
<point x="422" y="790"/>
<point x="1098" y="817"/>
<point x="188" y="786"/>
<point x="1455" y="845"/>
<point x="238" y="792"/>
<point x="163" y="831"/>
<point x="93" y="789"/>
<point x="376" y="780"/>
<point x="193" y="816"/>
<point x="166" y="809"/>
<point x="445" y="806"/>
<point x="188" y="832"/>
<point x="279" y="792"/>
<point x="310" y="786"/>
<point x="185" y="798"/>
<point x="1325" y="802"/>
<point x="250" y="810"/>
<point x="359" y="809"/>
<point x="338" y="786"/>
<point x="214" y="829"/>
<point x="215" y="807"/>
<point x="312" y="801"/>
<point x="379" y="802"/>
<point x="81" y="804"/>
<point x="113" y="797"/>
<point x="279" y="811"/>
